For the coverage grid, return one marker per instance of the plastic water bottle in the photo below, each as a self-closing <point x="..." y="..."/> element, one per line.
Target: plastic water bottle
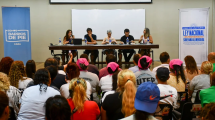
<point x="127" y="41"/>
<point x="85" y="39"/>
<point x="110" y="41"/>
<point x="60" y="41"/>
<point x="147" y="40"/>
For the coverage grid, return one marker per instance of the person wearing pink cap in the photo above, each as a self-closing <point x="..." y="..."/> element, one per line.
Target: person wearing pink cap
<point x="88" y="76"/>
<point x="144" y="74"/>
<point x="106" y="82"/>
<point x="177" y="78"/>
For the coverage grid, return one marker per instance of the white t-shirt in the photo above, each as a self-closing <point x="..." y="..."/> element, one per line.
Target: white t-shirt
<point x="106" y="83"/>
<point x="93" y="79"/>
<point x="32" y="102"/>
<point x="134" y="69"/>
<point x="162" y="65"/>
<point x="14" y="96"/>
<point x="166" y="90"/>
<point x="64" y="90"/>
<point x="106" y="94"/>
<point x="23" y="83"/>
<point x="132" y="117"/>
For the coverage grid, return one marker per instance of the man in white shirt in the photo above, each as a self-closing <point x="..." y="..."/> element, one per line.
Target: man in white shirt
<point x="165" y="59"/>
<point x="135" y="61"/>
<point x="166" y="90"/>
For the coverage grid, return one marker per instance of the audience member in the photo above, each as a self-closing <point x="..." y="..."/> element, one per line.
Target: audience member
<point x="30" y="68"/>
<point x="60" y="78"/>
<point x="121" y="103"/>
<point x="165" y="59"/>
<point x="211" y="59"/>
<point x="81" y="108"/>
<point x="103" y="72"/>
<point x="114" y="85"/>
<point x="191" y="69"/>
<point x="144" y="74"/>
<point x="17" y="76"/>
<point x="34" y="97"/>
<point x="106" y="81"/>
<point x="144" y="104"/>
<point x="90" y="68"/>
<point x="88" y="76"/>
<point x="177" y="77"/>
<point x="208" y="111"/>
<point x="57" y="108"/>
<point x="5" y="64"/>
<point x="53" y="73"/>
<point x="73" y="71"/>
<point x="162" y="77"/>
<point x="201" y="81"/>
<point x="4" y="106"/>
<point x="207" y="95"/>
<point x="135" y="61"/>
<point x="12" y="92"/>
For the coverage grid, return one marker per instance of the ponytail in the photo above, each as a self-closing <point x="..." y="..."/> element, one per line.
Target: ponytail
<point x="179" y="71"/>
<point x="144" y="63"/>
<point x="128" y="97"/>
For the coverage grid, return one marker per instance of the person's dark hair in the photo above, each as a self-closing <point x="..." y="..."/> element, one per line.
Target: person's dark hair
<point x="141" y="115"/>
<point x="126" y="30"/>
<point x="4" y="102"/>
<point x="51" y="61"/>
<point x="83" y="66"/>
<point x="52" y="71"/>
<point x="67" y="36"/>
<point x="136" y="58"/>
<point x="191" y="65"/>
<point x="84" y="56"/>
<point x="147" y="34"/>
<point x="58" y="60"/>
<point x="110" y="58"/>
<point x="42" y="76"/>
<point x="213" y="79"/>
<point x="144" y="63"/>
<point x="72" y="70"/>
<point x="164" y="56"/>
<point x="208" y="111"/>
<point x="89" y="29"/>
<point x="5" y="64"/>
<point x="57" y="108"/>
<point x="30" y="68"/>
<point x="114" y="79"/>
<point x="179" y="72"/>
<point x="110" y="71"/>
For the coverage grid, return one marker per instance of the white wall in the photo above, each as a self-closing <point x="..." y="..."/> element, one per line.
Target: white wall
<point x="49" y="22"/>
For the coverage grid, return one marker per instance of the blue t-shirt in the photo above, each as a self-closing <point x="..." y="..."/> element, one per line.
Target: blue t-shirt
<point x="88" y="38"/>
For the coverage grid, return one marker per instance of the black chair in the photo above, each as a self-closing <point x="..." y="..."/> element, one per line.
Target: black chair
<point x="197" y="99"/>
<point x="186" y="111"/>
<point x="182" y="99"/>
<point x="52" y="52"/>
<point x="152" y="56"/>
<point x="164" y="112"/>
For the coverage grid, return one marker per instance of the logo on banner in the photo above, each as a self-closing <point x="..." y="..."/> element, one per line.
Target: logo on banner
<point x="17" y="35"/>
<point x="193" y="35"/>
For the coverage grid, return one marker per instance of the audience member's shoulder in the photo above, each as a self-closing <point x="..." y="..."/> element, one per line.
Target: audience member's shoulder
<point x="53" y="90"/>
<point x="112" y="97"/>
<point x="103" y="69"/>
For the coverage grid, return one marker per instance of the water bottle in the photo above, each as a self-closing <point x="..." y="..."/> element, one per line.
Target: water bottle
<point x="110" y="41"/>
<point x="127" y="41"/>
<point x="147" y="40"/>
<point x="85" y="39"/>
<point x="60" y="41"/>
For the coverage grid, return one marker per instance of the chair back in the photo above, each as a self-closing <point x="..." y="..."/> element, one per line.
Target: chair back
<point x="197" y="99"/>
<point x="164" y="112"/>
<point x="182" y="99"/>
<point x="186" y="113"/>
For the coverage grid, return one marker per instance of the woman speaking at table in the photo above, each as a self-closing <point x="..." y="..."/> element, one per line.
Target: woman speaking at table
<point x="68" y="40"/>
<point x="145" y="39"/>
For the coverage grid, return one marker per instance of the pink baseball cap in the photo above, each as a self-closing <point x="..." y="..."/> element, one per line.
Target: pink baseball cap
<point x="148" y="60"/>
<point x="82" y="61"/>
<point x="175" y="62"/>
<point x="113" y="66"/>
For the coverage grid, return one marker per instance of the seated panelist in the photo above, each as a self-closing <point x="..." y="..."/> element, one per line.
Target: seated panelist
<point x="91" y="39"/>
<point x="109" y="40"/>
<point x="145" y="39"/>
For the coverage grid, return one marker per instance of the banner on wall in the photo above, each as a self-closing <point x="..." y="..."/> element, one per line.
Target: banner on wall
<point x="17" y="33"/>
<point x="193" y="33"/>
